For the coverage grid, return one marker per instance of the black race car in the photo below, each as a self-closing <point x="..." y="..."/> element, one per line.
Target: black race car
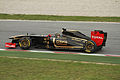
<point x="70" y="39"/>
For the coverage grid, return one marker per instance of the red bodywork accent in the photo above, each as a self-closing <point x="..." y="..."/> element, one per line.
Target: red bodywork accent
<point x="10" y="45"/>
<point x="97" y="37"/>
<point x="49" y="35"/>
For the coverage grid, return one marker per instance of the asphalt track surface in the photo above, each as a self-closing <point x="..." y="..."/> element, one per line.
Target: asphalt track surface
<point x="14" y="27"/>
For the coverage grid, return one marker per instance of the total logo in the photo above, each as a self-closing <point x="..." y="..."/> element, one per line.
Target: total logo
<point x="97" y="37"/>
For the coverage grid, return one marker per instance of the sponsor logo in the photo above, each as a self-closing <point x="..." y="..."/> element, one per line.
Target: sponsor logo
<point x="97" y="37"/>
<point x="10" y="45"/>
<point x="60" y="42"/>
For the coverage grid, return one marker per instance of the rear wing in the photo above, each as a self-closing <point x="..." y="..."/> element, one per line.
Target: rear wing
<point x="99" y="37"/>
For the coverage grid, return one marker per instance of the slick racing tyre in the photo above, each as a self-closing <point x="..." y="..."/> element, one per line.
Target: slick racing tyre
<point x="99" y="48"/>
<point x="90" y="46"/>
<point x="25" y="43"/>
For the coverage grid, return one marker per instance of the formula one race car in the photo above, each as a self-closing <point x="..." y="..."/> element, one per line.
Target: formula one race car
<point x="70" y="39"/>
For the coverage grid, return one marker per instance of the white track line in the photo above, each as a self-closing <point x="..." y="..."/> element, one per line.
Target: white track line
<point x="2" y="49"/>
<point x="60" y="21"/>
<point x="57" y="60"/>
<point x="41" y="51"/>
<point x="61" y="52"/>
<point x="92" y="54"/>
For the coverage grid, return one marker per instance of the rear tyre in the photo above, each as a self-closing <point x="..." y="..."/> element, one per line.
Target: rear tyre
<point x="90" y="46"/>
<point x="99" y="48"/>
<point x="25" y="43"/>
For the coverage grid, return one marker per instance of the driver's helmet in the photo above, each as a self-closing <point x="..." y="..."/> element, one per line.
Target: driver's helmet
<point x="57" y="35"/>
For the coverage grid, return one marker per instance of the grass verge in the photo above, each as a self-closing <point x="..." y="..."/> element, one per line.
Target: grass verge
<point x="72" y="57"/>
<point x="25" y="69"/>
<point x="58" y="18"/>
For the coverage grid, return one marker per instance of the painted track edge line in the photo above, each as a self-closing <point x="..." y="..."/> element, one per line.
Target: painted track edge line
<point x="41" y="51"/>
<point x="60" y="21"/>
<point x="55" y="52"/>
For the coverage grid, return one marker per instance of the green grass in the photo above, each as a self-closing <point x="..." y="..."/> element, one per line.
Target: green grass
<point x="37" y="69"/>
<point x="59" y="18"/>
<point x="23" y="69"/>
<point x="73" y="57"/>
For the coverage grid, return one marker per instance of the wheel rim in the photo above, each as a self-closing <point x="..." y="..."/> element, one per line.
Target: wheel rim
<point x="24" y="43"/>
<point x="89" y="46"/>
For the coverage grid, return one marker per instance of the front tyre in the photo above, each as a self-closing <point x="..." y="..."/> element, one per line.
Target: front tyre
<point x="90" y="46"/>
<point x="25" y="43"/>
